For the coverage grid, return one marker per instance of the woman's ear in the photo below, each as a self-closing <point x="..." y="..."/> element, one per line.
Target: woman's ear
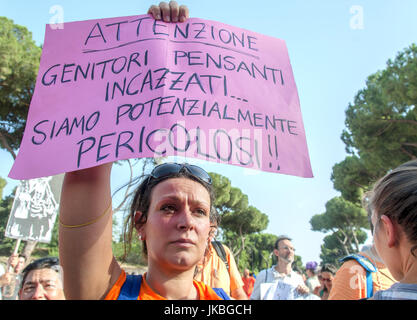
<point x="390" y="231"/>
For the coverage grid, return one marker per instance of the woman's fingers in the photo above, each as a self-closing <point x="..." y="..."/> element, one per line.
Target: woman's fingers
<point x="169" y="12"/>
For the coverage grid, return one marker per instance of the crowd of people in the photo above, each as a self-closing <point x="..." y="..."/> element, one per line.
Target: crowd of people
<point x="173" y="215"/>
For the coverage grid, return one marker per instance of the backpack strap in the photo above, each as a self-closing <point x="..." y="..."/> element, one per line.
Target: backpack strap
<point x="131" y="288"/>
<point x="369" y="268"/>
<point x="221" y="252"/>
<point x="221" y="293"/>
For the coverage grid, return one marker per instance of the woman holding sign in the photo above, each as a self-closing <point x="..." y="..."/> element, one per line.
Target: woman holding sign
<point x="172" y="212"/>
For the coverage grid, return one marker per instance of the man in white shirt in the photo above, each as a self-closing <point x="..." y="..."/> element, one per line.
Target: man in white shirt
<point x="280" y="282"/>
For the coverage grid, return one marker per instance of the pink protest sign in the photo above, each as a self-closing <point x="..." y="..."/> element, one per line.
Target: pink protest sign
<point x="132" y="87"/>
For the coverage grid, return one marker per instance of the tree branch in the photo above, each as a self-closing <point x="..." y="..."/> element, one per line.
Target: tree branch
<point x="383" y="130"/>
<point x="6" y="145"/>
<point x="413" y="122"/>
<point x="407" y="144"/>
<point x="412" y="156"/>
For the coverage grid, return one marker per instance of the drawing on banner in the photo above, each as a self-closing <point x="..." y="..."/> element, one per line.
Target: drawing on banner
<point x="35" y="209"/>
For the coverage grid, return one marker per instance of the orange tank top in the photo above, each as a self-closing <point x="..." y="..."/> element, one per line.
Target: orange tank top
<point x="146" y="293"/>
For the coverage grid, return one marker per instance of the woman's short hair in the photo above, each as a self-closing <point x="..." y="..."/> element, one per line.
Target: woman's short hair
<point x="395" y="196"/>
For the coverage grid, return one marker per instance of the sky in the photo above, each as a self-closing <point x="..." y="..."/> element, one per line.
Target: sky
<point x="334" y="45"/>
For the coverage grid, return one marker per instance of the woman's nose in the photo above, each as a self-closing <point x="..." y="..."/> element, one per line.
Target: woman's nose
<point x="185" y="219"/>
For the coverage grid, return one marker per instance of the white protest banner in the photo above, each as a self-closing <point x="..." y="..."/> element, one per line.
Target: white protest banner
<point x="34" y="209"/>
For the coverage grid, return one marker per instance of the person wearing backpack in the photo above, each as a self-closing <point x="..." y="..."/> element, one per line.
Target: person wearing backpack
<point x="360" y="276"/>
<point x="218" y="269"/>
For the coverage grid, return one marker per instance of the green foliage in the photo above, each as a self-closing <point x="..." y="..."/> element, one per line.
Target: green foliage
<point x="133" y="257"/>
<point x="381" y="124"/>
<point x="2" y="185"/>
<point x="221" y="186"/>
<point x="258" y="252"/>
<point x="6" y="244"/>
<point x="336" y="246"/>
<point x="298" y="264"/>
<point x="340" y="214"/>
<point x="19" y="63"/>
<point x="344" y="220"/>
<point x="247" y="221"/>
<point x="380" y="134"/>
<point x="239" y="220"/>
<point x="352" y="178"/>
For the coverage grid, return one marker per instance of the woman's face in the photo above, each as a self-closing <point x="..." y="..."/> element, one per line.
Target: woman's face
<point x="178" y="224"/>
<point x="327" y="278"/>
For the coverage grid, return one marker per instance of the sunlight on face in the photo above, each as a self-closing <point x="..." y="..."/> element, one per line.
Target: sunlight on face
<point x="178" y="225"/>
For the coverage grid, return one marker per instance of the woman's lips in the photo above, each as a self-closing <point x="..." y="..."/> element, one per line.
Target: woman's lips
<point x="184" y="242"/>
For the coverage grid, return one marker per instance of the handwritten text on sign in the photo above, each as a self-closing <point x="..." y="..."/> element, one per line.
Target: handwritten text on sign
<point x="130" y="87"/>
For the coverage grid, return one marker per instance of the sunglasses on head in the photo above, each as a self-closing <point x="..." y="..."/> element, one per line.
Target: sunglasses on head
<point x="167" y="169"/>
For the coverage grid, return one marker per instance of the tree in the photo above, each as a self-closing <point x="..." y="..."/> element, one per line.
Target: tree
<point x="258" y="253"/>
<point x="352" y="178"/>
<point x="240" y="224"/>
<point x="381" y="124"/>
<point x="332" y="251"/>
<point x="380" y="134"/>
<point x="238" y="219"/>
<point x="345" y="220"/>
<point x="227" y="198"/>
<point x="19" y="63"/>
<point x="221" y="186"/>
<point x="298" y="264"/>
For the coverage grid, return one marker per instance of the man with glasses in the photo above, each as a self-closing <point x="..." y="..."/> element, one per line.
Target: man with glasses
<point x="42" y="280"/>
<point x="280" y="282"/>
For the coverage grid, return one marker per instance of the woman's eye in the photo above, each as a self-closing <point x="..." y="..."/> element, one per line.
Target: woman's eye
<point x="201" y="212"/>
<point x="168" y="208"/>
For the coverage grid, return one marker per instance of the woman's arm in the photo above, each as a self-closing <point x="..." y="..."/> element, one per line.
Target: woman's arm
<point x="85" y="251"/>
<point x="85" y="244"/>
